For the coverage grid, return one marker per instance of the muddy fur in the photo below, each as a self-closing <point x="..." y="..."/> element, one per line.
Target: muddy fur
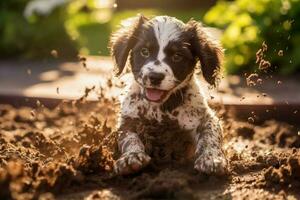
<point x="165" y="142"/>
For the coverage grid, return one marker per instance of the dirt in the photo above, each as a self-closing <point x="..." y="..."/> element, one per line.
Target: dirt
<point x="68" y="153"/>
<point x="252" y="79"/>
<point x="263" y="64"/>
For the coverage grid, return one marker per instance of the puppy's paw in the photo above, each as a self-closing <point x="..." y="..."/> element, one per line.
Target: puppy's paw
<point x="211" y="164"/>
<point x="131" y="162"/>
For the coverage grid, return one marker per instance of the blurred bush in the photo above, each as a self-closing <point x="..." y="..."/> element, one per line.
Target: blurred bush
<point x="92" y="34"/>
<point x="34" y="36"/>
<point x="33" y="28"/>
<point x="165" y="4"/>
<point x="247" y="23"/>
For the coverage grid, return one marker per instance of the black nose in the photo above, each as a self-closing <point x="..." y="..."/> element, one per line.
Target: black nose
<point x="155" y="78"/>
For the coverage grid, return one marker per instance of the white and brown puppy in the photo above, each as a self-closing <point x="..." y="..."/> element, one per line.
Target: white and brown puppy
<point x="163" y="54"/>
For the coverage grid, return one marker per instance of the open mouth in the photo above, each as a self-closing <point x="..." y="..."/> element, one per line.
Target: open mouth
<point x="155" y="95"/>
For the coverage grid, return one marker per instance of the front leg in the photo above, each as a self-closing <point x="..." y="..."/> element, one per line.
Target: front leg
<point x="209" y="156"/>
<point x="133" y="157"/>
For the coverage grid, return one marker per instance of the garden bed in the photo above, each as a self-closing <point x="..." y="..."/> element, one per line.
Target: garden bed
<point x="68" y="153"/>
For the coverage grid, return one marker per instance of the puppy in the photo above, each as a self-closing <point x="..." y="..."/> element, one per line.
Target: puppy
<point x="163" y="54"/>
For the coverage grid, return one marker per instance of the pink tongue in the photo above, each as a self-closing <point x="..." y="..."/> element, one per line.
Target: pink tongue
<point x="154" y="95"/>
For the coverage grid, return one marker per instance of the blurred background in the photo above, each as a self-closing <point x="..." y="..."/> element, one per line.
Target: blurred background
<point x="63" y="29"/>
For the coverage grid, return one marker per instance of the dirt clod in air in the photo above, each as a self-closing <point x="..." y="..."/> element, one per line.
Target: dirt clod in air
<point x="264" y="94"/>
<point x="252" y="79"/>
<point x="251" y="119"/>
<point x="83" y="60"/>
<point x="263" y="64"/>
<point x="54" y="53"/>
<point x="259" y="81"/>
<point x="87" y="91"/>
<point x="280" y="53"/>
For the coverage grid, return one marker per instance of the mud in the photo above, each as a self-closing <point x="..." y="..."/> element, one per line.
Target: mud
<point x="263" y="63"/>
<point x="68" y="153"/>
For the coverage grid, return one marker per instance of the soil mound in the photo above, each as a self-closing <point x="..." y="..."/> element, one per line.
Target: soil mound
<point x="68" y="153"/>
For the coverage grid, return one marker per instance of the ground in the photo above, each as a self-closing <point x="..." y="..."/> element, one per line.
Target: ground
<point x="68" y="153"/>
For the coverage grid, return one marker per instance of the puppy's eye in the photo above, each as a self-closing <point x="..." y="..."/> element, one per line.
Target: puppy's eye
<point x="145" y="52"/>
<point x="177" y="57"/>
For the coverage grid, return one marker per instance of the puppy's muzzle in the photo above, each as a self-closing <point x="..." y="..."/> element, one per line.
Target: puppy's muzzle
<point x="155" y="78"/>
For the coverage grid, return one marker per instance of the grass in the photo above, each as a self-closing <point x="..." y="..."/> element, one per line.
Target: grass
<point x="92" y="36"/>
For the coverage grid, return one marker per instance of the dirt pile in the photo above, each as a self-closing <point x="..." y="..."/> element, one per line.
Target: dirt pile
<point x="270" y="132"/>
<point x="287" y="174"/>
<point x="68" y="153"/>
<point x="52" y="149"/>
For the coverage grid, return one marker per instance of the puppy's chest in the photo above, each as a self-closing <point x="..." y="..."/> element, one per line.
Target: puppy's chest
<point x="186" y="116"/>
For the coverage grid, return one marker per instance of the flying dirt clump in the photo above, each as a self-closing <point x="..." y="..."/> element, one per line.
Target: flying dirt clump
<point x="252" y="79"/>
<point x="83" y="60"/>
<point x="263" y="64"/>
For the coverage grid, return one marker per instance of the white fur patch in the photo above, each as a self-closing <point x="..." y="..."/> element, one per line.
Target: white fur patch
<point x="166" y="29"/>
<point x="190" y="114"/>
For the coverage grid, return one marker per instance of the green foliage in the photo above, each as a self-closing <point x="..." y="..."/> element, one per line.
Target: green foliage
<point x="247" y="23"/>
<point x="78" y="26"/>
<point x="33" y="37"/>
<point x="92" y="36"/>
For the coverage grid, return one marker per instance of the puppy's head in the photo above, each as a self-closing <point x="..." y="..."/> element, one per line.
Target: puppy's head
<point x="163" y="54"/>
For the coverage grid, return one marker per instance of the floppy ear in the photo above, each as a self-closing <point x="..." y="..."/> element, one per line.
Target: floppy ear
<point x="123" y="40"/>
<point x="208" y="51"/>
